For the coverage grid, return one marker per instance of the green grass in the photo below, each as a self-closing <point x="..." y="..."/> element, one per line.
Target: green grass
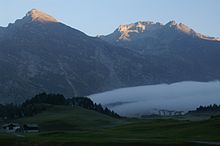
<point x="200" y="116"/>
<point x="70" y="118"/>
<point x="63" y="126"/>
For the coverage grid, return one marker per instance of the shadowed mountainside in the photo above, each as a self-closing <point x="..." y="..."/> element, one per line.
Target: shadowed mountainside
<point x="40" y="54"/>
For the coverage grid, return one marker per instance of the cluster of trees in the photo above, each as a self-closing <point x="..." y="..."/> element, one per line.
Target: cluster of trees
<point x="209" y="108"/>
<point x="53" y="99"/>
<point x="43" y="101"/>
<point x="87" y="103"/>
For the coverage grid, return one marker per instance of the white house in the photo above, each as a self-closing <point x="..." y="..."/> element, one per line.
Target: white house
<point x="11" y="128"/>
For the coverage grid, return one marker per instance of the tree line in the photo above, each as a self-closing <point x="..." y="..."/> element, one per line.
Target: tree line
<point x="209" y="108"/>
<point x="43" y="101"/>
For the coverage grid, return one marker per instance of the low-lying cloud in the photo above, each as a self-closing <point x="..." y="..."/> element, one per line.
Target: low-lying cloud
<point x="141" y="100"/>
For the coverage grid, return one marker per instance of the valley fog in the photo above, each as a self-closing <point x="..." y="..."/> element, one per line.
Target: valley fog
<point x="143" y="100"/>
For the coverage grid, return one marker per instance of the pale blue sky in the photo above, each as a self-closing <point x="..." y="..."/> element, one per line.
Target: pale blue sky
<point x="95" y="17"/>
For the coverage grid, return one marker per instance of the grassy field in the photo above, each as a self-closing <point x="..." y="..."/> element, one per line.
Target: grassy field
<point x="69" y="118"/>
<point x="63" y="126"/>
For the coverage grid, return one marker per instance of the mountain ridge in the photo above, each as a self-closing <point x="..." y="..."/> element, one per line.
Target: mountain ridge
<point x="52" y="57"/>
<point x="37" y="15"/>
<point x="142" y="27"/>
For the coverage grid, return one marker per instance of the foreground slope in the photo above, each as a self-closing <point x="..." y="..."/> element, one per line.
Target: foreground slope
<point x="68" y="118"/>
<point x="62" y="125"/>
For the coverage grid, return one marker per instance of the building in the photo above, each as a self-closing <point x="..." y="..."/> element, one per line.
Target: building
<point x="11" y="128"/>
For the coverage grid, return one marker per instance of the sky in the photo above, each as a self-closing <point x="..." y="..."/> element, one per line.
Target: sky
<point x="101" y="17"/>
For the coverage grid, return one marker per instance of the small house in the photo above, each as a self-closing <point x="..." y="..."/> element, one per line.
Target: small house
<point x="11" y="128"/>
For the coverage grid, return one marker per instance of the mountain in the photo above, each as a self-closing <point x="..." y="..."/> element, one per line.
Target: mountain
<point x="1" y="31"/>
<point x="143" y="36"/>
<point x="38" y="53"/>
<point x="38" y="16"/>
<point x="181" y="53"/>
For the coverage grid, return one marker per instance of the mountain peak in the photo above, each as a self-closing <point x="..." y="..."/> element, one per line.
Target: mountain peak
<point x="181" y="27"/>
<point x="139" y="27"/>
<point x="171" y="23"/>
<point x="187" y="30"/>
<point x="142" y="29"/>
<point x="39" y="16"/>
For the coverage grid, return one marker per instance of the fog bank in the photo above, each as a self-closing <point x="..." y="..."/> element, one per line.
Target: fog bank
<point x="141" y="100"/>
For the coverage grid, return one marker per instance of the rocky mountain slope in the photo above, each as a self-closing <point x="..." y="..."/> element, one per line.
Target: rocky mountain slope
<point x="143" y="36"/>
<point x="181" y="53"/>
<point x="39" y="53"/>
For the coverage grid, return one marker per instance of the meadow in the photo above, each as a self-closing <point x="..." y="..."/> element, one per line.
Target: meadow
<point x="67" y="125"/>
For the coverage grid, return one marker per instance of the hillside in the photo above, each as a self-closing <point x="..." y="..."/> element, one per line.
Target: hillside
<point x="40" y="54"/>
<point x="178" y="52"/>
<point x="68" y="118"/>
<point x="62" y="125"/>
